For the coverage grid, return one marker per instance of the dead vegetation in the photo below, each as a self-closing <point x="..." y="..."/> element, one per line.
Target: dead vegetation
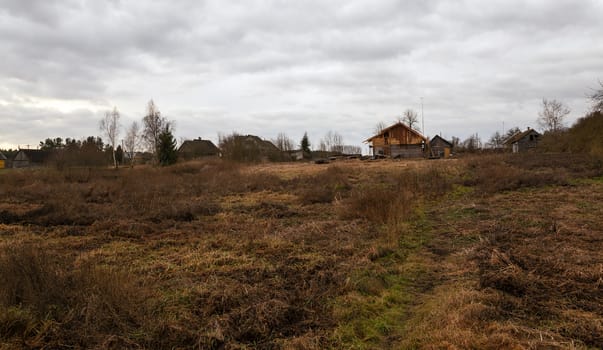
<point x="491" y="252"/>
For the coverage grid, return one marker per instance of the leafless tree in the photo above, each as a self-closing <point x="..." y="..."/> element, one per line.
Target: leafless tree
<point x="283" y="142"/>
<point x="109" y="126"/>
<point x="597" y="98"/>
<point x="350" y="149"/>
<point x="131" y="141"/>
<point x="496" y="140"/>
<point x="472" y="143"/>
<point x="411" y="118"/>
<point x="552" y="116"/>
<point x="332" y="142"/>
<point x="379" y="128"/>
<point x="512" y="131"/>
<point x="153" y="125"/>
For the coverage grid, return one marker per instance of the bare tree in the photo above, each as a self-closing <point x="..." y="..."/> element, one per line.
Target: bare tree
<point x="411" y="118"/>
<point x="283" y="142"/>
<point x="552" y="115"/>
<point x="379" y="128"/>
<point x="496" y="140"/>
<point x="511" y="132"/>
<point x="153" y="125"/>
<point x="351" y="149"/>
<point x="109" y="126"/>
<point x="597" y="98"/>
<point x="472" y="143"/>
<point x="332" y="142"/>
<point x="131" y="141"/>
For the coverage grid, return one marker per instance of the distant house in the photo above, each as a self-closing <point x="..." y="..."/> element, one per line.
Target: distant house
<point x="198" y="148"/>
<point x="296" y="154"/>
<point x="250" y="148"/>
<point x="27" y="158"/>
<point x="440" y="147"/>
<point x="523" y="141"/>
<point x="3" y="160"/>
<point x="398" y="141"/>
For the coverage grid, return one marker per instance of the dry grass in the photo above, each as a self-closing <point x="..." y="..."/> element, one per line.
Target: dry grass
<point x="422" y="254"/>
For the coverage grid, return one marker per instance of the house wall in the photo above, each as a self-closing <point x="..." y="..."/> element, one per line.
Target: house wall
<point x="21" y="160"/>
<point x="406" y="151"/>
<point x="527" y="142"/>
<point x="440" y="148"/>
<point x="2" y="164"/>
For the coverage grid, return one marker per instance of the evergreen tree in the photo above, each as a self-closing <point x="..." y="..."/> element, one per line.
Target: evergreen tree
<point x="305" y="146"/>
<point x="167" y="153"/>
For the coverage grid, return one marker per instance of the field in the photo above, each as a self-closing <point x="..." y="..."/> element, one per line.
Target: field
<point x="497" y="251"/>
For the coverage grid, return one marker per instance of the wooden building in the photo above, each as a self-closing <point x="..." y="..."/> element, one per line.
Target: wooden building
<point x="398" y="141"/>
<point x="198" y="148"/>
<point x="523" y="141"/>
<point x="440" y="148"/>
<point x="3" y="160"/>
<point x="27" y="158"/>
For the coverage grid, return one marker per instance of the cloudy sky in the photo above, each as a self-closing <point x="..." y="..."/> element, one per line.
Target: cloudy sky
<point x="268" y="66"/>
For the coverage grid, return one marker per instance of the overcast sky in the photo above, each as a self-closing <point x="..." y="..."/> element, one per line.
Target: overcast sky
<point x="268" y="66"/>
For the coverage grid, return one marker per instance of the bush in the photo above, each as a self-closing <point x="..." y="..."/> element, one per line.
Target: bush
<point x="90" y="303"/>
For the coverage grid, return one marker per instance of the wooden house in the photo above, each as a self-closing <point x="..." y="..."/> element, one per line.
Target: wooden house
<point x="440" y="148"/>
<point x="398" y="141"/>
<point x="3" y="160"/>
<point x="523" y="141"/>
<point x="198" y="148"/>
<point x="27" y="158"/>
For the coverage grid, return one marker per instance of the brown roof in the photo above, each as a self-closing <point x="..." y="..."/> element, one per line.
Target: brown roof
<point x="520" y="135"/>
<point x="198" y="148"/>
<point x="398" y="124"/>
<point x="438" y="137"/>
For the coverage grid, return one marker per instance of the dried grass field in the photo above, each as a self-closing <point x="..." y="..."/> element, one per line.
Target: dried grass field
<point x="497" y="251"/>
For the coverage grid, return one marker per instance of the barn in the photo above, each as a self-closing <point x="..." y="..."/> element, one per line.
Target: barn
<point x="27" y="158"/>
<point x="440" y="148"/>
<point x="523" y="141"/>
<point x="398" y="141"/>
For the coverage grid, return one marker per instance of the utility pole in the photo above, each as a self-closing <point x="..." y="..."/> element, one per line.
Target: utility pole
<point x="422" y="118"/>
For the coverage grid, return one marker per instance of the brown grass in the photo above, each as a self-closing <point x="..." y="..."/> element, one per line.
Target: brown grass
<point x="354" y="254"/>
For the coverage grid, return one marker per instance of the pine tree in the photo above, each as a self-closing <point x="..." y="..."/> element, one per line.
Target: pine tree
<point x="167" y="153"/>
<point x="305" y="146"/>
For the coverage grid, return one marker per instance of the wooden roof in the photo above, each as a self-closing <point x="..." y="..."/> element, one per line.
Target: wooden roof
<point x="397" y="125"/>
<point x="520" y="135"/>
<point x="441" y="139"/>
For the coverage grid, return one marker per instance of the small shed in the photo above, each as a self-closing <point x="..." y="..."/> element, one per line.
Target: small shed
<point x="398" y="141"/>
<point x="523" y="141"/>
<point x="198" y="148"/>
<point x="440" y="148"/>
<point x="3" y="160"/>
<point x="27" y="158"/>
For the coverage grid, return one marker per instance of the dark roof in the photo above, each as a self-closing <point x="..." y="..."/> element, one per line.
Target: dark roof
<point x="35" y="155"/>
<point x="252" y="140"/>
<point x="520" y="135"/>
<point x="198" y="148"/>
<point x="441" y="139"/>
<point x="398" y="124"/>
<point x="2" y="156"/>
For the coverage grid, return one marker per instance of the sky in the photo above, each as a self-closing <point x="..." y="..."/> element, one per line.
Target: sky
<point x="268" y="66"/>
